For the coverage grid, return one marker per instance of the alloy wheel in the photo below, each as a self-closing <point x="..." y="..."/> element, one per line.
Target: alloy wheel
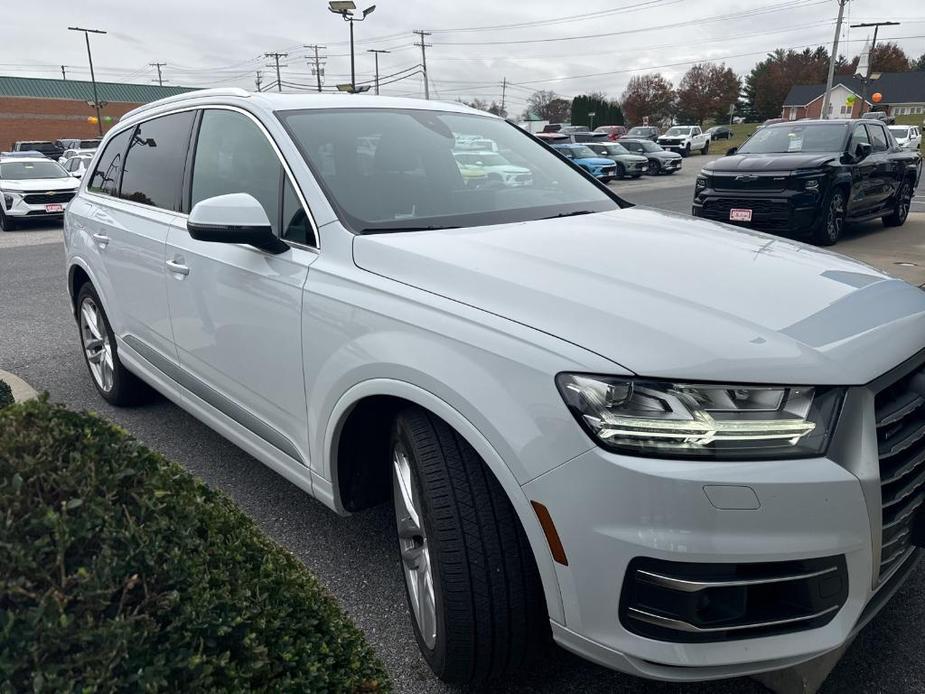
<point x="415" y="551"/>
<point x="835" y="219"/>
<point x="97" y="347"/>
<point x="905" y="202"/>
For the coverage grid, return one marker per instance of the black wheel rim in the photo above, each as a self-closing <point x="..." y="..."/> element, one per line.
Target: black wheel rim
<point x="905" y="202"/>
<point x="836" y="217"/>
<point x="655" y="165"/>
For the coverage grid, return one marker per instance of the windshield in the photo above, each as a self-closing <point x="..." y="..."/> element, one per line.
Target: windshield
<point x="484" y="159"/>
<point x="29" y="170"/>
<point x="640" y="131"/>
<point x="678" y="131"/>
<point x="579" y="152"/>
<point x="900" y="132"/>
<point x="616" y="149"/>
<point x="783" y="139"/>
<point x="392" y="169"/>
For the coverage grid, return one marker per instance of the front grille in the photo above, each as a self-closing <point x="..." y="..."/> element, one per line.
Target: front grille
<point x="900" y="415"/>
<point x="746" y="182"/>
<point x="766" y="214"/>
<point x="47" y="198"/>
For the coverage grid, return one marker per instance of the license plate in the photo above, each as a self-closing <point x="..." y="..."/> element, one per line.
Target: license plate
<point x="737" y="215"/>
<point x="54" y="207"/>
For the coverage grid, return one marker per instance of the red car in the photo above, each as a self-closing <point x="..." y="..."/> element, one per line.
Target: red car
<point x="613" y="131"/>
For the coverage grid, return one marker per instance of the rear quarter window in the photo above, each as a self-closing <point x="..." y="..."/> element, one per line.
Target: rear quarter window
<point x="108" y="172"/>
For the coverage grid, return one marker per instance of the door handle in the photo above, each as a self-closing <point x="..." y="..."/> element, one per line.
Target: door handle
<point x="101" y="239"/>
<point x="178" y="268"/>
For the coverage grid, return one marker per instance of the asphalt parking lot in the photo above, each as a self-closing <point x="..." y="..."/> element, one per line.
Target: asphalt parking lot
<point x="354" y="557"/>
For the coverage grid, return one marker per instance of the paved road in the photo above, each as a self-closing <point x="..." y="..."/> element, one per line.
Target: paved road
<point x="353" y="557"/>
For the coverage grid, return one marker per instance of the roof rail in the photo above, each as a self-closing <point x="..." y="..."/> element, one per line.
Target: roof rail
<point x="195" y="94"/>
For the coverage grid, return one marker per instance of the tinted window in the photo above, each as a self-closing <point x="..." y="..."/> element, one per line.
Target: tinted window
<point x="31" y="170"/>
<point x="295" y="221"/>
<point x="153" y="169"/>
<point x="877" y="138"/>
<point x="858" y="136"/>
<point x="796" y="137"/>
<point x="105" y="178"/>
<point x="234" y="156"/>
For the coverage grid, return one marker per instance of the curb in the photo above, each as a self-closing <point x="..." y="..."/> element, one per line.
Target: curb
<point x="21" y="389"/>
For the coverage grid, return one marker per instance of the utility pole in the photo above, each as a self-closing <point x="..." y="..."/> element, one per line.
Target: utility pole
<point x="423" y="45"/>
<point x="276" y="57"/>
<point x="503" y="94"/>
<point x="870" y="56"/>
<point x="832" y="58"/>
<point x="318" y="70"/>
<point x="64" y="72"/>
<point x="96" y="96"/>
<point x="258" y="80"/>
<point x="376" y="52"/>
<point x="160" y="78"/>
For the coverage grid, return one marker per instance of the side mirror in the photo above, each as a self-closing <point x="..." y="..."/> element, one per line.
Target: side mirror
<point x="862" y="151"/>
<point x="731" y="151"/>
<point x="234" y="218"/>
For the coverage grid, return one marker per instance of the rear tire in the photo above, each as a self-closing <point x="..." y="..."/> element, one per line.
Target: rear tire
<point x="831" y="224"/>
<point x="116" y="384"/>
<point x="7" y="223"/>
<point x="454" y="520"/>
<point x="903" y="203"/>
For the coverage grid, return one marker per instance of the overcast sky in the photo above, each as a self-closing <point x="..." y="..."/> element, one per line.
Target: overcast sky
<point x="217" y="42"/>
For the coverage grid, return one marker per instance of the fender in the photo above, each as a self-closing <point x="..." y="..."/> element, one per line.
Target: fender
<point x="473" y="436"/>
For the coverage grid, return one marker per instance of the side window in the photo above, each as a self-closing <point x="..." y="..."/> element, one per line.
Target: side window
<point x="295" y="221"/>
<point x="857" y="137"/>
<point x="877" y="138"/>
<point x="234" y="156"/>
<point x="105" y="178"/>
<point x="153" y="169"/>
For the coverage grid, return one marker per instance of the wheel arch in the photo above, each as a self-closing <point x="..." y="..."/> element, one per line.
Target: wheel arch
<point x="365" y="412"/>
<point x="78" y="274"/>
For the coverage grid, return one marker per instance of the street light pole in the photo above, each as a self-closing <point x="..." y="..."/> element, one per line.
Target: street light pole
<point x="870" y="57"/>
<point x="96" y="97"/>
<point x="345" y="9"/>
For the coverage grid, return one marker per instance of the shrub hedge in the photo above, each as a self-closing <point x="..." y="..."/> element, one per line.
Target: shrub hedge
<point x="120" y="571"/>
<point x="6" y="394"/>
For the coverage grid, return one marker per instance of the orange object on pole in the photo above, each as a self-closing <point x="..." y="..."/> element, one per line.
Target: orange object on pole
<point x="877" y="97"/>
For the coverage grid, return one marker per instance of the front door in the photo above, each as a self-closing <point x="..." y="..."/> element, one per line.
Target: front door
<point x="862" y="196"/>
<point x="236" y="311"/>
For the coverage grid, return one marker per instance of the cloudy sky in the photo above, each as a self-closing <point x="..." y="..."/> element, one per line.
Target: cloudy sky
<point x="541" y="44"/>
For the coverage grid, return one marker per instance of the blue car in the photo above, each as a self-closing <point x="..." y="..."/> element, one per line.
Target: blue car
<point x="600" y="168"/>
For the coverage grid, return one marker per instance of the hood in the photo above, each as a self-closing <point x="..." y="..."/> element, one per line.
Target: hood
<point x="665" y="295"/>
<point x="664" y="155"/>
<point x="40" y="184"/>
<point x="630" y="158"/>
<point x="771" y="162"/>
<point x="510" y="169"/>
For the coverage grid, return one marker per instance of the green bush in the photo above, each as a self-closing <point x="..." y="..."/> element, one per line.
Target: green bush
<point x="6" y="394"/>
<point x="120" y="571"/>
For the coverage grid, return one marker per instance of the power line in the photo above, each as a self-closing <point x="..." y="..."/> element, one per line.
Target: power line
<point x="276" y="57"/>
<point x="259" y="79"/>
<point x="423" y="44"/>
<point x="318" y="69"/>
<point x="376" y="52"/>
<point x="160" y="78"/>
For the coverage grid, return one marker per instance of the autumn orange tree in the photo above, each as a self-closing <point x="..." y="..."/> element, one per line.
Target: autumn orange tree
<point x="651" y="96"/>
<point x="707" y="90"/>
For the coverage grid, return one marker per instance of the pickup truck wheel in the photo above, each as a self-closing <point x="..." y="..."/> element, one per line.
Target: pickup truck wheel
<point x="113" y="381"/>
<point x="621" y="172"/>
<point x="472" y="586"/>
<point x="686" y="152"/>
<point x="903" y="202"/>
<point x="6" y="223"/>
<point x="829" y="227"/>
<point x="706" y="148"/>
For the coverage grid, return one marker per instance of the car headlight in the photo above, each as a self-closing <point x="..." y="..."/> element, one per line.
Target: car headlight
<point x="701" y="182"/>
<point x="689" y="420"/>
<point x="9" y="199"/>
<point x="811" y="184"/>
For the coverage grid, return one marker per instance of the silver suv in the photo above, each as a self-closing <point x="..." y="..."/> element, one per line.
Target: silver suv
<point x="678" y="448"/>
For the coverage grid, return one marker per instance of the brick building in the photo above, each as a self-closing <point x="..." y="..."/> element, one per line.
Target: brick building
<point x="43" y="109"/>
<point x="903" y="93"/>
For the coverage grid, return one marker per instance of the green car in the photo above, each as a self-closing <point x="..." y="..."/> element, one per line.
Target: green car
<point x="628" y="164"/>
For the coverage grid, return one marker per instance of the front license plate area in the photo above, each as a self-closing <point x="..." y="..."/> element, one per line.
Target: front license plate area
<point x="740" y="215"/>
<point x="54" y="207"/>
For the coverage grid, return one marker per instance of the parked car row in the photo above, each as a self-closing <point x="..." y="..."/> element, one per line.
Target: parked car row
<point x="57" y="148"/>
<point x="630" y="157"/>
<point x="33" y="187"/>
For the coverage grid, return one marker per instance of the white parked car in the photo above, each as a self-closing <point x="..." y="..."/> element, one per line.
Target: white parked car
<point x="684" y="139"/>
<point x="77" y="166"/>
<point x="495" y="167"/>
<point x="680" y="449"/>
<point x="907" y="136"/>
<point x="69" y="153"/>
<point x="33" y="188"/>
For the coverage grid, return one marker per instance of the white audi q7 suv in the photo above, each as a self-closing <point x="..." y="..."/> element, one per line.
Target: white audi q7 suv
<point x="680" y="449"/>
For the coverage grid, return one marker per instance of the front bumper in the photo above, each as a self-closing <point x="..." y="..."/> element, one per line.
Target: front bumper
<point x="610" y="510"/>
<point x="36" y="205"/>
<point x="779" y="212"/>
<point x="665" y="165"/>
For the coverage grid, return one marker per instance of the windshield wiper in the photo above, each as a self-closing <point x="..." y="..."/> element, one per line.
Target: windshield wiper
<point x="383" y="230"/>
<point x="570" y="214"/>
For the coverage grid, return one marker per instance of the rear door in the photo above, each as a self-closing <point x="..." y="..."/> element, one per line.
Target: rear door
<point x="129" y="225"/>
<point x="236" y="311"/>
<point x="887" y="170"/>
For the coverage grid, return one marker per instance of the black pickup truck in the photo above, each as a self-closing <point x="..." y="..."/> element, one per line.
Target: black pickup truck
<point x="809" y="177"/>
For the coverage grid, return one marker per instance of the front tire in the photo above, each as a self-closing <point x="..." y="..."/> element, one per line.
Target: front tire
<point x="116" y="384"/>
<point x="686" y="152"/>
<point x="7" y="223"/>
<point x="903" y="204"/>
<point x="621" y="172"/>
<point x="655" y="168"/>
<point x="706" y="148"/>
<point x="473" y="590"/>
<point x="829" y="227"/>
